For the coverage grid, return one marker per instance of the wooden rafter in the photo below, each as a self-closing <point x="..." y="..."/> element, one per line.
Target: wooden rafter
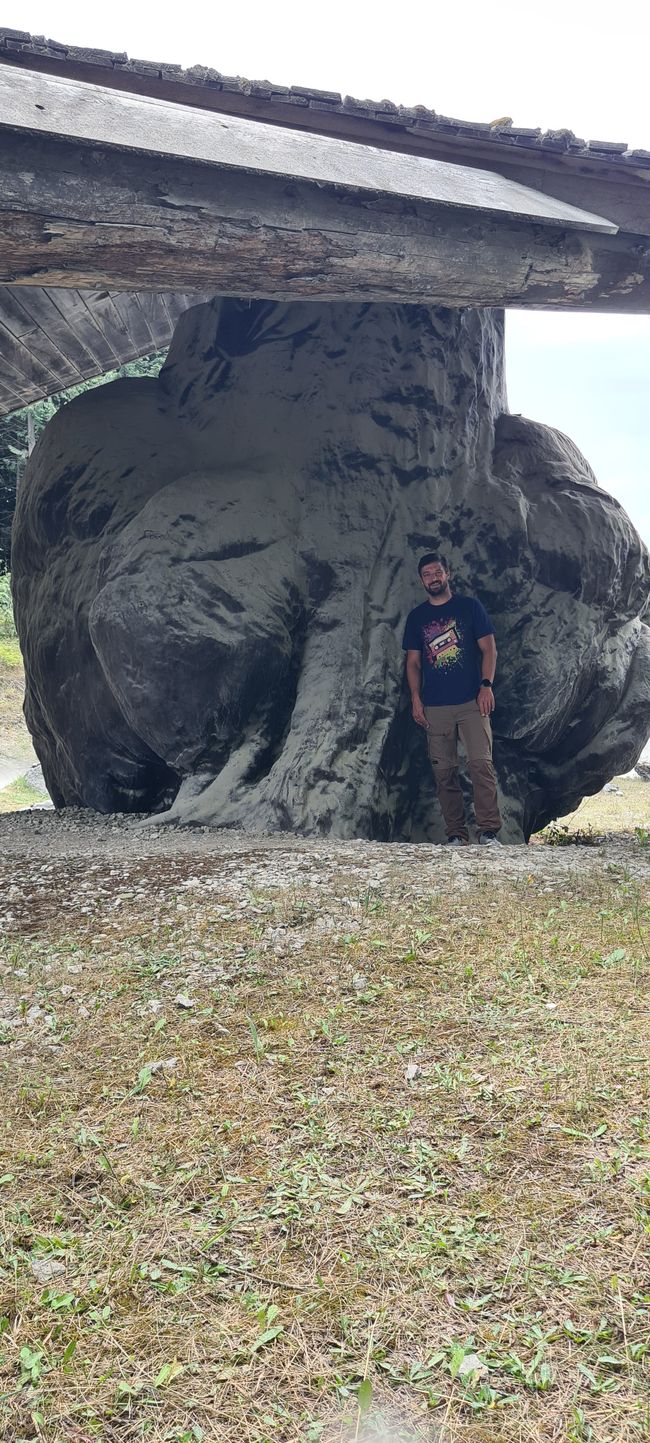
<point x="54" y="338"/>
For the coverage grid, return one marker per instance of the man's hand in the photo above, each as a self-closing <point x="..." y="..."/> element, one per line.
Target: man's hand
<point x="418" y="713"/>
<point x="485" y="700"/>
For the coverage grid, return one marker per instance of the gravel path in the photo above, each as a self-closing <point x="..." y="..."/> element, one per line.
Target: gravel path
<point x="43" y="837"/>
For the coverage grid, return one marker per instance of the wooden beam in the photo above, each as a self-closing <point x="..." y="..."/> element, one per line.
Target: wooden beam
<point x="177" y="225"/>
<point x="89" y="216"/>
<point x="48" y="106"/>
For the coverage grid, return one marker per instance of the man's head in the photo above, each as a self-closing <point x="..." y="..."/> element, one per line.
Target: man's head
<point x="434" y="574"/>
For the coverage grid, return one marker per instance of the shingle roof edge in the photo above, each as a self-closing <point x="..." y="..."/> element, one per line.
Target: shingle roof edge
<point x="417" y="118"/>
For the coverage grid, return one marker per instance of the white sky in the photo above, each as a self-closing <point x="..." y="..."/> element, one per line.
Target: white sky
<point x="562" y="64"/>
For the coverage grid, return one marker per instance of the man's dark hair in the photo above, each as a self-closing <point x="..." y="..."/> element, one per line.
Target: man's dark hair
<point x="432" y="556"/>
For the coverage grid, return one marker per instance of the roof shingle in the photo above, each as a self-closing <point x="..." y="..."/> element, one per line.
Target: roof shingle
<point x="417" y="118"/>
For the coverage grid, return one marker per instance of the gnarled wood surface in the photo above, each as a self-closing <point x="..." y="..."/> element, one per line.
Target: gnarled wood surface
<point x="89" y="216"/>
<point x="220" y="561"/>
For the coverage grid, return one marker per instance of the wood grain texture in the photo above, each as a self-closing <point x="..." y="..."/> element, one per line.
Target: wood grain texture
<point x="51" y="106"/>
<point x="54" y="338"/>
<point x="89" y="217"/>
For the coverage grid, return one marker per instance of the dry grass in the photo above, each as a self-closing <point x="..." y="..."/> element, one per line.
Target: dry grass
<point x="396" y="1139"/>
<point x="611" y="812"/>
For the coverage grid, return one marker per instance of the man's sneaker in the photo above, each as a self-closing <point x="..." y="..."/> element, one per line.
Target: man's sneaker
<point x="489" y="839"/>
<point x="456" y="842"/>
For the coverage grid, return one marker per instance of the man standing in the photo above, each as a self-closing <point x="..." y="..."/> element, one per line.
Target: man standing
<point x="450" y="664"/>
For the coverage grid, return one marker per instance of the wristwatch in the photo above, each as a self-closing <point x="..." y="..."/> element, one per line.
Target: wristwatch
<point x="485" y="682"/>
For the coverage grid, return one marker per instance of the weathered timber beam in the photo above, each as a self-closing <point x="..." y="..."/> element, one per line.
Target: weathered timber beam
<point x="87" y="216"/>
<point x="624" y="198"/>
<point x="50" y="107"/>
<point x="620" y="191"/>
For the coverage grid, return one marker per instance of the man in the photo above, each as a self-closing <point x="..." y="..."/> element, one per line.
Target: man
<point x="450" y="664"/>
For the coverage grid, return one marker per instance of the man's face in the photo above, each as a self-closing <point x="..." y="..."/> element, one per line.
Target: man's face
<point x="435" y="579"/>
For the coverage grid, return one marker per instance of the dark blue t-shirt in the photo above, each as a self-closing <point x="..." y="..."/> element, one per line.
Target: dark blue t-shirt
<point x="447" y="638"/>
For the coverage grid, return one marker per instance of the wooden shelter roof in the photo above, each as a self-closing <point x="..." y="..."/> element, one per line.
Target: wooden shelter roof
<point x="59" y="106"/>
<point x="53" y="338"/>
<point x="183" y="183"/>
<point x="324" y="111"/>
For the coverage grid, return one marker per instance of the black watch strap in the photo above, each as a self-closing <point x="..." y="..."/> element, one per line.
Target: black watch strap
<point x="485" y="682"/>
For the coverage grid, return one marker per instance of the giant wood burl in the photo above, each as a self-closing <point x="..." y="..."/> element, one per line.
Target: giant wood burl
<point x="212" y="571"/>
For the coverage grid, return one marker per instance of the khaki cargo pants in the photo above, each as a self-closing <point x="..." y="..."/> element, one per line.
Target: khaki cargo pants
<point x="445" y="725"/>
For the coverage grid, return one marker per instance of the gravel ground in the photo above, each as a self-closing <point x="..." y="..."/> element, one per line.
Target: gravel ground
<point x="32" y="839"/>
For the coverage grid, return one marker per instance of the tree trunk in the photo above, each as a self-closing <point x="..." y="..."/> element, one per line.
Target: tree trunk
<point x="212" y="573"/>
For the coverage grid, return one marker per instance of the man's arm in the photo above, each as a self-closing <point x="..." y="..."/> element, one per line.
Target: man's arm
<point x="488" y="648"/>
<point x="414" y="678"/>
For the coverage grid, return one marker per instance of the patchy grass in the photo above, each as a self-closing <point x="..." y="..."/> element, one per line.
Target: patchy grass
<point x="282" y="1163"/>
<point x="14" y="737"/>
<point x="19" y="794"/>
<point x="609" y="812"/>
<point x="10" y="651"/>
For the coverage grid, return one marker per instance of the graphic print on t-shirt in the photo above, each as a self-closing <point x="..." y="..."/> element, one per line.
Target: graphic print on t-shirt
<point x="446" y="638"/>
<point x="443" y="642"/>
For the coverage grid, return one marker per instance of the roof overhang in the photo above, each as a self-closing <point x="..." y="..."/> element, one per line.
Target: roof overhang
<point x="99" y="188"/>
<point x="131" y="203"/>
<point x="51" y="339"/>
<point x="47" y="106"/>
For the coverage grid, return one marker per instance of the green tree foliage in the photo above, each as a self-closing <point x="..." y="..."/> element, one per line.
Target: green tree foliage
<point x="17" y="430"/>
<point x="7" y="628"/>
